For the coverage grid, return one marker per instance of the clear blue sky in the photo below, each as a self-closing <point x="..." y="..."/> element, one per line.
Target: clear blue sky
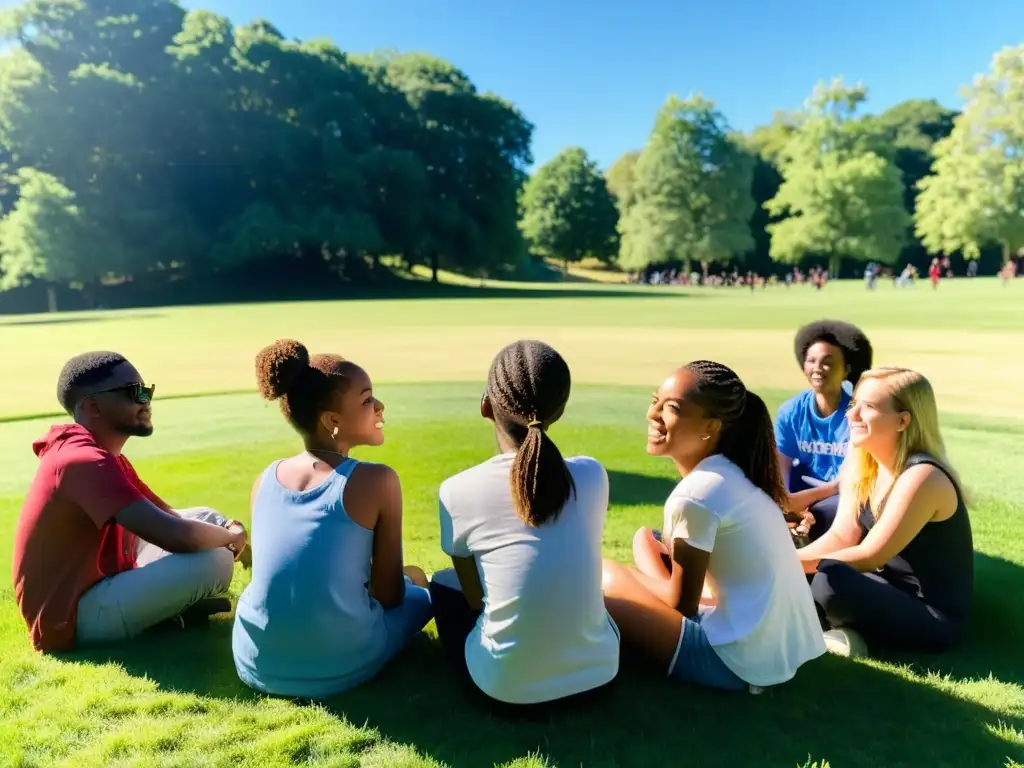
<point x="593" y="74"/>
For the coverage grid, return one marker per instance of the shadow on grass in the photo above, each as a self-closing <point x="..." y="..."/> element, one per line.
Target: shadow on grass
<point x="634" y="488"/>
<point x="512" y="292"/>
<point x="847" y="712"/>
<point x="998" y="622"/>
<point x="60" y="320"/>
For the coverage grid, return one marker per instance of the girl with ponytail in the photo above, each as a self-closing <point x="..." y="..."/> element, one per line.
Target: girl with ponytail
<point x="521" y="614"/>
<point x="755" y="623"/>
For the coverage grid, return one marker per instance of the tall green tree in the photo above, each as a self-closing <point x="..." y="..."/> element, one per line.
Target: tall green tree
<point x="913" y="127"/>
<point x="568" y="212"/>
<point x="189" y="144"/>
<point x="841" y="195"/>
<point x="78" y="101"/>
<point x="475" y="148"/>
<point x="976" y="195"/>
<point x="770" y="140"/>
<point x="48" y="237"/>
<point x="620" y="178"/>
<point x="691" y="190"/>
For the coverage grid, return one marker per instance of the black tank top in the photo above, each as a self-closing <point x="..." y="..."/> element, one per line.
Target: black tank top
<point x="937" y="566"/>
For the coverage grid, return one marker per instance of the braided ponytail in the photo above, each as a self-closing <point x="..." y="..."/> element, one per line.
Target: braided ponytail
<point x="528" y="387"/>
<point x="747" y="438"/>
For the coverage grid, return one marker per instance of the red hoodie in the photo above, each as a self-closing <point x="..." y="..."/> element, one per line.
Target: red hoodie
<point x="66" y="539"/>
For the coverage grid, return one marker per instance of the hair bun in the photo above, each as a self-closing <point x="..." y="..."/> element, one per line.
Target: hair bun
<point x="278" y="366"/>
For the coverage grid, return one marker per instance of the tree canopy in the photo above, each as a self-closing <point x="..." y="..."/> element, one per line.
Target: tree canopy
<point x="568" y="212"/>
<point x="841" y="195"/>
<point x="691" y="190"/>
<point x="176" y="147"/>
<point x="976" y="194"/>
<point x="177" y="140"/>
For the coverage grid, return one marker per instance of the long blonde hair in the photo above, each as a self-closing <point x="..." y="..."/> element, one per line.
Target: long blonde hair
<point x="910" y="392"/>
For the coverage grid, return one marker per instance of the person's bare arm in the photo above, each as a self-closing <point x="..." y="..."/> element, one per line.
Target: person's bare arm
<point x="917" y="497"/>
<point x="469" y="580"/>
<point x="176" y="534"/>
<point x="844" y="532"/>
<point x="801" y="500"/>
<point x="689" y="569"/>
<point x="684" y="587"/>
<point x="387" y="580"/>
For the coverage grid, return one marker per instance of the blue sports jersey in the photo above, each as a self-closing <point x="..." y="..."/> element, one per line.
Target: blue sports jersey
<point x="818" y="444"/>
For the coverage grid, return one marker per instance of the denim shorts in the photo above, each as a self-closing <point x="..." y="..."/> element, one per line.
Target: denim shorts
<point x="407" y="618"/>
<point x="697" y="662"/>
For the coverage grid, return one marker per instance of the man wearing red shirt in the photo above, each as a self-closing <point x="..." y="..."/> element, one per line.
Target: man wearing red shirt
<point x="97" y="555"/>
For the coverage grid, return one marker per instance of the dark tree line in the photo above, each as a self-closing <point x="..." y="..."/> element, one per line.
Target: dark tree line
<point x="140" y="143"/>
<point x="140" y="139"/>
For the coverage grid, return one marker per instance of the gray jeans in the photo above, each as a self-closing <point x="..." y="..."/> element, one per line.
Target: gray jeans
<point x="161" y="586"/>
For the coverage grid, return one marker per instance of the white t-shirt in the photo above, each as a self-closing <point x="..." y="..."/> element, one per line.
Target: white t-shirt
<point x="544" y="633"/>
<point x="764" y="625"/>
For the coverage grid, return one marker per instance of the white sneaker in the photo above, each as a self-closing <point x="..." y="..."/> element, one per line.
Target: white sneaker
<point x="845" y="642"/>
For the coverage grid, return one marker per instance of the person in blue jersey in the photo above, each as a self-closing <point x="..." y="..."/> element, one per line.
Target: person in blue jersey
<point x="330" y="601"/>
<point x="811" y="433"/>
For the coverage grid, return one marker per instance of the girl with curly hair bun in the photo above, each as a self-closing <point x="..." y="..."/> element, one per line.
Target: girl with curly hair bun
<point x="330" y="602"/>
<point x="811" y="433"/>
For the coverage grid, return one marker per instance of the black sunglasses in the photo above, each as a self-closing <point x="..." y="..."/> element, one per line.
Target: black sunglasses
<point x="139" y="394"/>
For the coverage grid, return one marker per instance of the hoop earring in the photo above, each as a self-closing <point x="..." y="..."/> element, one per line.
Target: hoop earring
<point x="705" y="437"/>
<point x="334" y="434"/>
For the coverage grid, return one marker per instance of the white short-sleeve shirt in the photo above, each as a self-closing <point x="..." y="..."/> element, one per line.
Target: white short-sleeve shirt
<point x="764" y="625"/>
<point x="544" y="633"/>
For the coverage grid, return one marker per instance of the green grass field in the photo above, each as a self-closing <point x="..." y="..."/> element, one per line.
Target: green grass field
<point x="172" y="699"/>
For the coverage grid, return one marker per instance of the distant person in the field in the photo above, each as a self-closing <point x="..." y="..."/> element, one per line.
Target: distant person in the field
<point x="331" y="601"/>
<point x="871" y="272"/>
<point x="935" y="273"/>
<point x="896" y="569"/>
<point x="93" y="545"/>
<point x="906" y="278"/>
<point x="1008" y="272"/>
<point x="811" y="433"/>
<point x="755" y="623"/>
<point x="521" y="615"/>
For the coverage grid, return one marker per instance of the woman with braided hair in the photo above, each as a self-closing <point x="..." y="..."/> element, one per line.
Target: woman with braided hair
<point x="757" y="624"/>
<point x="330" y="601"/>
<point x="521" y="614"/>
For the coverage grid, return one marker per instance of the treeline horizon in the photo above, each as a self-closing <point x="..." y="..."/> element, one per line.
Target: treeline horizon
<point x="151" y="153"/>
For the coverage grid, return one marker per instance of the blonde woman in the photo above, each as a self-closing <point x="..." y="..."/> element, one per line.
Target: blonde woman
<point x="896" y="567"/>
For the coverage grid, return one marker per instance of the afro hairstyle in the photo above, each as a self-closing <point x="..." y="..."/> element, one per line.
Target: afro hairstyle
<point x="82" y="372"/>
<point x="856" y="348"/>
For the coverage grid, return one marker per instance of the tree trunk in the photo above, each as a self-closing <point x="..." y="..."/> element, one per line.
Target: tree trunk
<point x="835" y="264"/>
<point x="687" y="262"/>
<point x="51" y="299"/>
<point x="434" y="266"/>
<point x="1006" y="253"/>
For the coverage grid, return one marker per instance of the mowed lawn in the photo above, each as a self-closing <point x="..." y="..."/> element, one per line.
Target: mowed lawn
<point x="172" y="698"/>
